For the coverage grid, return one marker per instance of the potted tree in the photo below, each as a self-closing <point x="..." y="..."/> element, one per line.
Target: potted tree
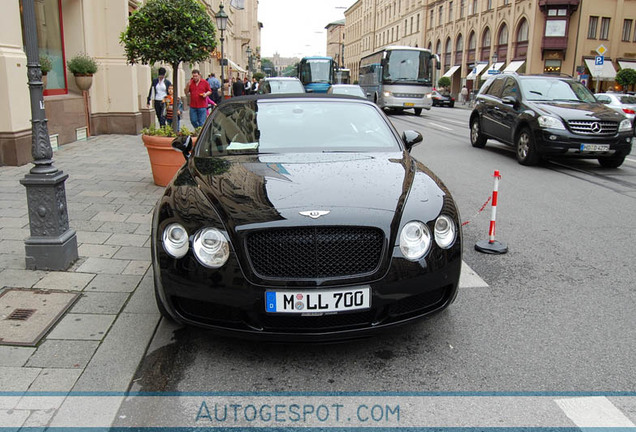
<point x="82" y="66"/>
<point x="164" y="160"/>
<point x="169" y="32"/>
<point x="45" y="66"/>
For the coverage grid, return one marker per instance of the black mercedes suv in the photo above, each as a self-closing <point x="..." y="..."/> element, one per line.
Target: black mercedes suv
<point x="549" y="116"/>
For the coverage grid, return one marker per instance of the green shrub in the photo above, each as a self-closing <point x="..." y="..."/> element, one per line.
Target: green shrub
<point x="167" y="131"/>
<point x="82" y="64"/>
<point x="45" y="64"/>
<point x="444" y="82"/>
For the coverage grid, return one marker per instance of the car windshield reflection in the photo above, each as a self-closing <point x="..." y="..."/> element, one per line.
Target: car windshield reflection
<point x="276" y="126"/>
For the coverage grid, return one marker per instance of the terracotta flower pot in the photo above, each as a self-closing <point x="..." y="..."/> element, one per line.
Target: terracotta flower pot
<point x="164" y="160"/>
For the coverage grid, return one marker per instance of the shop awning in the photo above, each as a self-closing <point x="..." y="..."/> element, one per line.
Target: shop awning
<point x="513" y="66"/>
<point x="479" y="67"/>
<point x="451" y="71"/>
<point x="625" y="64"/>
<point x="234" y="66"/>
<point x="605" y="73"/>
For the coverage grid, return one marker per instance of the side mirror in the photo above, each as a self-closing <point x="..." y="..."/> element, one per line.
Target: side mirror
<point x="410" y="138"/>
<point x="509" y="100"/>
<point x="183" y="144"/>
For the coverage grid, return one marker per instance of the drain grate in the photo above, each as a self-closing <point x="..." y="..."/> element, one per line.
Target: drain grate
<point x="21" y="314"/>
<point x="26" y="315"/>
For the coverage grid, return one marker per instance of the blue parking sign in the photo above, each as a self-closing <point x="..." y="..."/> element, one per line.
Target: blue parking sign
<point x="599" y="60"/>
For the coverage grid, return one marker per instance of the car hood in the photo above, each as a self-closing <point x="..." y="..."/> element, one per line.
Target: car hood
<point x="352" y="187"/>
<point x="578" y="111"/>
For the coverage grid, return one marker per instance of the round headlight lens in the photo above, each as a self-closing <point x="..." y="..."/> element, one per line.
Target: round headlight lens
<point x="445" y="232"/>
<point x="210" y="247"/>
<point x="175" y="240"/>
<point x="415" y="240"/>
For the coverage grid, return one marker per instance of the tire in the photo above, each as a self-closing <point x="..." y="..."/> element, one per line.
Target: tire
<point x="417" y="111"/>
<point x="477" y="139"/>
<point x="612" y="162"/>
<point x="525" y="148"/>
<point x="451" y="105"/>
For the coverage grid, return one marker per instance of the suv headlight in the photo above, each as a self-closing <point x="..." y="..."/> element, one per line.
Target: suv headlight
<point x="415" y="240"/>
<point x="211" y="247"/>
<point x="548" y="122"/>
<point x="625" y="125"/>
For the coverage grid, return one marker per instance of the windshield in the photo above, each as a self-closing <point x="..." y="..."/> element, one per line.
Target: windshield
<point x="261" y="127"/>
<point x="407" y="66"/>
<point x="555" y="90"/>
<point x="286" y="86"/>
<point x="316" y="70"/>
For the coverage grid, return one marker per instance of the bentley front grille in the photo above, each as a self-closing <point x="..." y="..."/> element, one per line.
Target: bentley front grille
<point x="315" y="252"/>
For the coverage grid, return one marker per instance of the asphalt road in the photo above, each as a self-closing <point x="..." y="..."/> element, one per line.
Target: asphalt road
<point x="558" y="313"/>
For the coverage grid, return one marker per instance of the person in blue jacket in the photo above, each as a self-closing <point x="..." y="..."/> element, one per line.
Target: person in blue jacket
<point x="160" y="89"/>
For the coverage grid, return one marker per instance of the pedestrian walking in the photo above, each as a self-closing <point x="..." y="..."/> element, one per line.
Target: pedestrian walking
<point x="238" y="87"/>
<point x="464" y="94"/>
<point x="159" y="87"/>
<point x="247" y="86"/>
<point x="215" y="86"/>
<point x="199" y="90"/>
<point x="254" y="86"/>
<point x="226" y="89"/>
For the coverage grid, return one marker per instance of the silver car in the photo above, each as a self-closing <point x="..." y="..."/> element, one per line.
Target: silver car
<point x="348" y="89"/>
<point x="623" y="103"/>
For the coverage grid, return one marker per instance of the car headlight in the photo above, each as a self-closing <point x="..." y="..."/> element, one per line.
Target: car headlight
<point x="429" y="95"/>
<point x="211" y="247"/>
<point x="626" y="125"/>
<point x="175" y="240"/>
<point x="550" y="122"/>
<point x="445" y="232"/>
<point x="387" y="94"/>
<point x="415" y="240"/>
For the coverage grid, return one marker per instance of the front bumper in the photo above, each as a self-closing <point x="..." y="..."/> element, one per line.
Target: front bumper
<point x="226" y="302"/>
<point x="406" y="102"/>
<point x="558" y="142"/>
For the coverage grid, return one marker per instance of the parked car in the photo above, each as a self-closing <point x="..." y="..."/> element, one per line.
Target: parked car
<point x="303" y="218"/>
<point x="442" y="99"/>
<point x="548" y="116"/>
<point x="623" y="103"/>
<point x="348" y="89"/>
<point x="280" y="85"/>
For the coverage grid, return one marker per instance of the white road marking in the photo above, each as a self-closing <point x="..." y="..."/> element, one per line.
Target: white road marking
<point x="594" y="411"/>
<point x="628" y="159"/>
<point x="470" y="279"/>
<point x="440" y="126"/>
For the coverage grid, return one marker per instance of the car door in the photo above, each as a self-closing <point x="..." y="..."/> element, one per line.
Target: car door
<point x="490" y="117"/>
<point x="507" y="113"/>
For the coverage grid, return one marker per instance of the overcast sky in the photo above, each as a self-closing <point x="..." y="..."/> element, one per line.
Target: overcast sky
<point x="296" y="28"/>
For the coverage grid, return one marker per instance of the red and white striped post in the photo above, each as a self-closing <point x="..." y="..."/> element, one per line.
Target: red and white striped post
<point x="491" y="245"/>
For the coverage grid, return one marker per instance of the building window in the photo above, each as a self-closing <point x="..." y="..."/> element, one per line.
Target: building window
<point x="450" y="11"/>
<point x="441" y="14"/>
<point x="432" y="19"/>
<point x="462" y="5"/>
<point x="591" y="28"/>
<point x="48" y="20"/>
<point x="418" y="23"/>
<point x="489" y="5"/>
<point x="475" y="6"/>
<point x="459" y="49"/>
<point x="406" y="25"/>
<point x="521" y="46"/>
<point x="605" y="25"/>
<point x="627" y="30"/>
<point x="485" y="45"/>
<point x="447" y="54"/>
<point x="411" y="24"/>
<point x="555" y="28"/>
<point x="502" y="43"/>
<point x="552" y="67"/>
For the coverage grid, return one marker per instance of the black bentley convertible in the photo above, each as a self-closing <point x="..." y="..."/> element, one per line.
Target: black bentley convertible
<point x="303" y="218"/>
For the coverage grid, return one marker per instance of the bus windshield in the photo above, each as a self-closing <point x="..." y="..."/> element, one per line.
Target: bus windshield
<point x="407" y="66"/>
<point x="316" y="71"/>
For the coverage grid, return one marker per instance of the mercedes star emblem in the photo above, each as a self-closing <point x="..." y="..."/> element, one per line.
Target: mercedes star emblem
<point x="596" y="127"/>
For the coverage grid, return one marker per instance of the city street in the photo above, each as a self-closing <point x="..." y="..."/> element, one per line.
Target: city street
<point x="554" y="314"/>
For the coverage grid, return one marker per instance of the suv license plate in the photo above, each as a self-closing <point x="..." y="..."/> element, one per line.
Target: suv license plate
<point x="318" y="300"/>
<point x="595" y="147"/>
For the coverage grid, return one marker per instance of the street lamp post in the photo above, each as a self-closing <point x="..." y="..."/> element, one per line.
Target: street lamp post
<point x="52" y="244"/>
<point x="248" y="51"/>
<point x="221" y="23"/>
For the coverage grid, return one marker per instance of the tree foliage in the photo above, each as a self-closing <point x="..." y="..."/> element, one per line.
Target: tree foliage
<point x="626" y="77"/>
<point x="444" y="82"/>
<point x="171" y="32"/>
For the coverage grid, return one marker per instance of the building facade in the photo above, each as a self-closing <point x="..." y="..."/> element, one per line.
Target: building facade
<point x="116" y="101"/>
<point x="336" y="42"/>
<point x="475" y="37"/>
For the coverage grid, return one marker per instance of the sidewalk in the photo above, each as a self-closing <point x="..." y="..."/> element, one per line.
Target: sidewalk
<point x="98" y="344"/>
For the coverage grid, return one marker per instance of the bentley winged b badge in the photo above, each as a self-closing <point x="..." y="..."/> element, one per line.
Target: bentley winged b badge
<point x="315" y="214"/>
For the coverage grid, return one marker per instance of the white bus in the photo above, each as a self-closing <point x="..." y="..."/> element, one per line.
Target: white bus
<point x="399" y="77"/>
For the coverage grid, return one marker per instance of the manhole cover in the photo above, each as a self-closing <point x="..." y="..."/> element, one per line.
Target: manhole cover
<point x="26" y="315"/>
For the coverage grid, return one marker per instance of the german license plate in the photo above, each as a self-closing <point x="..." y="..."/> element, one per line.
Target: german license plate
<point x="318" y="301"/>
<point x="410" y="104"/>
<point x="595" y="147"/>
